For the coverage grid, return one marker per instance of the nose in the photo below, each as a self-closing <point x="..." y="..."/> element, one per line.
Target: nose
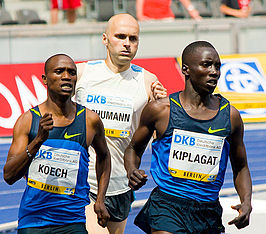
<point x="66" y="75"/>
<point x="126" y="42"/>
<point x="215" y="72"/>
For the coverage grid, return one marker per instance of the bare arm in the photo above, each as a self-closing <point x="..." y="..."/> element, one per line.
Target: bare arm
<point x="154" y="116"/>
<point x="242" y="179"/>
<point x="154" y="88"/>
<point x="133" y="153"/>
<point x="240" y="13"/>
<point x="18" y="161"/>
<point x="194" y="14"/>
<point x="103" y="169"/>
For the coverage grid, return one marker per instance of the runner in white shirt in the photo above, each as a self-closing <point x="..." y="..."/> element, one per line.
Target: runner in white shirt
<point x="117" y="91"/>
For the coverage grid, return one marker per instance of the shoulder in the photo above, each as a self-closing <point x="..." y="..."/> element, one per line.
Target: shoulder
<point x="236" y="120"/>
<point x="25" y="116"/>
<point x="80" y="70"/>
<point x="149" y="77"/>
<point x="157" y="107"/>
<point x="23" y="123"/>
<point x="92" y="118"/>
<point x="89" y="66"/>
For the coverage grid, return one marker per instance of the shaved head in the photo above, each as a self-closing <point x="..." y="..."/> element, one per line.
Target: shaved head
<point x="118" y="19"/>
<point x="121" y="38"/>
<point x="191" y="49"/>
<point x="50" y="60"/>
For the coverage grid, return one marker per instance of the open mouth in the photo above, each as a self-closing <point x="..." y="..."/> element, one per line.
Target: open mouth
<point x="212" y="82"/>
<point x="67" y="86"/>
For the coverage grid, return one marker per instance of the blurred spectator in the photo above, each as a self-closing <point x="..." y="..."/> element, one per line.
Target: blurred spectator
<point x="69" y="6"/>
<point x="236" y="8"/>
<point x="161" y="9"/>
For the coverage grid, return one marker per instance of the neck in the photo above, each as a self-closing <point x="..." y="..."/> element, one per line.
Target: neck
<point x="114" y="67"/>
<point x="194" y="98"/>
<point x="60" y="107"/>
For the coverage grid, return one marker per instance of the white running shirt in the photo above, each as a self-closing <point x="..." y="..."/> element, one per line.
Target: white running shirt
<point x="118" y="98"/>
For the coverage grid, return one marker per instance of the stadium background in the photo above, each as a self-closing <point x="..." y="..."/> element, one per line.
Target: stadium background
<point x="241" y="44"/>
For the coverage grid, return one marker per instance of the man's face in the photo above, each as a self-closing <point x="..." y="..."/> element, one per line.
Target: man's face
<point x="61" y="75"/>
<point x="122" y="40"/>
<point x="204" y="69"/>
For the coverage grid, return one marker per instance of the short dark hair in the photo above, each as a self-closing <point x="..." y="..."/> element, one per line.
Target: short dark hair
<point x="190" y="49"/>
<point x="51" y="58"/>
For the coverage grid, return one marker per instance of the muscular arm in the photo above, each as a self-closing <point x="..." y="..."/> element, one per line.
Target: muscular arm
<point x="242" y="179"/>
<point x="154" y="117"/>
<point x="103" y="168"/>
<point x="18" y="161"/>
<point x="132" y="158"/>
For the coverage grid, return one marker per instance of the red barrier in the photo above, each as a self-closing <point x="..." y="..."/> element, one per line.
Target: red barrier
<point x="167" y="71"/>
<point x="20" y="89"/>
<point x="21" y="86"/>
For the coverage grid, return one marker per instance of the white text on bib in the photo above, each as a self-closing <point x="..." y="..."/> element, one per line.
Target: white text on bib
<point x="195" y="156"/>
<point x="54" y="170"/>
<point x="115" y="112"/>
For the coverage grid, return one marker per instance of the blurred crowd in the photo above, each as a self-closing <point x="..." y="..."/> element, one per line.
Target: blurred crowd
<point x="148" y="10"/>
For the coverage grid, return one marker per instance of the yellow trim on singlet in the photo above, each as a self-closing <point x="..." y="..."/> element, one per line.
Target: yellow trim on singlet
<point x="36" y="112"/>
<point x="80" y="111"/>
<point x="173" y="100"/>
<point x="225" y="105"/>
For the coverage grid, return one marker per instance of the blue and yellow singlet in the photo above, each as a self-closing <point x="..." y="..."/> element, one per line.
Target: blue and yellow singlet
<point x="57" y="190"/>
<point x="190" y="159"/>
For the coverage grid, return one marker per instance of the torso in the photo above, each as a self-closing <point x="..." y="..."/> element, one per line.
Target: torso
<point x="118" y="99"/>
<point x="190" y="158"/>
<point x="57" y="177"/>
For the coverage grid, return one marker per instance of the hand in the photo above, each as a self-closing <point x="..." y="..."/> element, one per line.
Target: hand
<point x="45" y="125"/>
<point x="102" y="213"/>
<point x="244" y="13"/>
<point x="243" y="218"/>
<point x="194" y="14"/>
<point x="158" y="91"/>
<point x="137" y="178"/>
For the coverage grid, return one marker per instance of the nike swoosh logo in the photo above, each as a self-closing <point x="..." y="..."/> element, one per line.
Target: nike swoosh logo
<point x="70" y="136"/>
<point x="210" y="130"/>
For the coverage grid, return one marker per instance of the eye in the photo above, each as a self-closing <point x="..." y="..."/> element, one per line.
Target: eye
<point x="121" y="36"/>
<point x="218" y="66"/>
<point x="73" y="72"/>
<point x="206" y="64"/>
<point x="133" y="38"/>
<point x="58" y="71"/>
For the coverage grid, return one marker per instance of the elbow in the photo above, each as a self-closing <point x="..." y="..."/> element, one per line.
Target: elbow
<point x="9" y="179"/>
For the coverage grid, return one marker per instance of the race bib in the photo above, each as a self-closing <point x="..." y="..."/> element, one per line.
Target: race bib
<point x="54" y="170"/>
<point x="115" y="112"/>
<point x="195" y="156"/>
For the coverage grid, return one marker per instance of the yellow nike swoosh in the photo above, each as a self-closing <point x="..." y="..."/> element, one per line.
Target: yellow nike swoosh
<point x="70" y="136"/>
<point x="210" y="130"/>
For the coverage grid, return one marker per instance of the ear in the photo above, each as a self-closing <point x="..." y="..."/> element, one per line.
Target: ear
<point x="185" y="69"/>
<point x="105" y="39"/>
<point x="44" y="79"/>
